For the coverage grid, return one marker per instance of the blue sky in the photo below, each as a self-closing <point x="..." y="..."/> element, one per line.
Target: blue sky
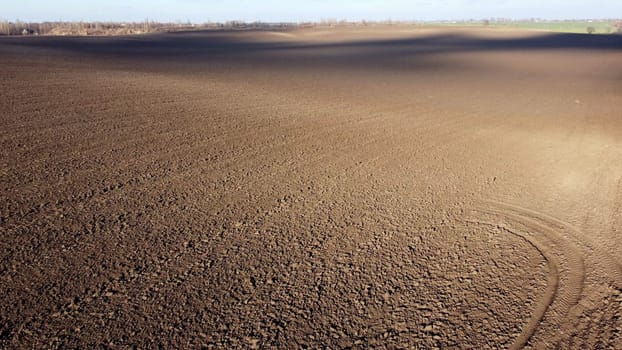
<point x="298" y="10"/>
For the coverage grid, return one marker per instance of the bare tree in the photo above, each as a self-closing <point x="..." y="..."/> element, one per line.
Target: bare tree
<point x="5" y="28"/>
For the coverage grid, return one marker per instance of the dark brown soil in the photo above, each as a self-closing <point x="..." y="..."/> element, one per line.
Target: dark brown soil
<point x="319" y="188"/>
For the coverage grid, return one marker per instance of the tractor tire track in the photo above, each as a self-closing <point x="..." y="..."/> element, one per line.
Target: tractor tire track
<point x="565" y="259"/>
<point x="552" y="283"/>
<point x="607" y="264"/>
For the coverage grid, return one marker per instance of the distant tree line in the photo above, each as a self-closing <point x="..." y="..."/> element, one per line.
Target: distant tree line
<point x="147" y="26"/>
<point x="118" y="28"/>
<point x="72" y="28"/>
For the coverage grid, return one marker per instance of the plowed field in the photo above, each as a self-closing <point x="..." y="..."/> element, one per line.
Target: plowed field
<point x="384" y="187"/>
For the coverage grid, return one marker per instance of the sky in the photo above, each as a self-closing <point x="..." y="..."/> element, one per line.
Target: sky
<point x="200" y="11"/>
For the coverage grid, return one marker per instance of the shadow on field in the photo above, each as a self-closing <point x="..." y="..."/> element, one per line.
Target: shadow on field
<point x="245" y="46"/>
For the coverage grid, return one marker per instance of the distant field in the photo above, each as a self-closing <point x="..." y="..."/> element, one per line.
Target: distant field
<point x="601" y="27"/>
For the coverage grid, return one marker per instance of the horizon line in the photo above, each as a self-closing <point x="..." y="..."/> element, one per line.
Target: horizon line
<point x="323" y="20"/>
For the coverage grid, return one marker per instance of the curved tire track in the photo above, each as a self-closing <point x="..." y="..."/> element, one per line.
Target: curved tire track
<point x="551" y="286"/>
<point x="564" y="258"/>
<point x="595" y="245"/>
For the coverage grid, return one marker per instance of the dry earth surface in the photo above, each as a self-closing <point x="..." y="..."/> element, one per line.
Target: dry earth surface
<point x="383" y="187"/>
